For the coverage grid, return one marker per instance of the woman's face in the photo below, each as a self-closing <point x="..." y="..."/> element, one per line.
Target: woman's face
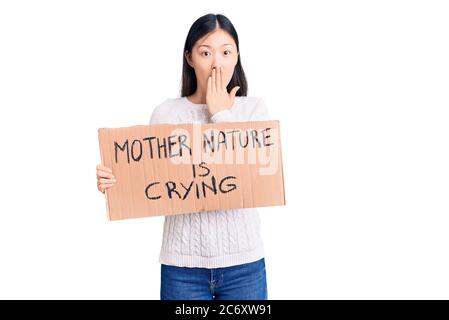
<point x="216" y="49"/>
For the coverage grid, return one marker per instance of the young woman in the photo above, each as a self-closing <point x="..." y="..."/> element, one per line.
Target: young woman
<point x="213" y="254"/>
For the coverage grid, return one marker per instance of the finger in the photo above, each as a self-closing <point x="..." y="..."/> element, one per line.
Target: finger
<point x="101" y="180"/>
<point x="103" y="168"/>
<point x="214" y="81"/>
<point x="233" y="92"/>
<point x="220" y="79"/>
<point x="103" y="188"/>
<point x="209" y="85"/>
<point x="103" y="174"/>
<point x="224" y="84"/>
<point x="105" y="185"/>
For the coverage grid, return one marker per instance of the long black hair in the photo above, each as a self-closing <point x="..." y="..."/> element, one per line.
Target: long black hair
<point x="200" y="28"/>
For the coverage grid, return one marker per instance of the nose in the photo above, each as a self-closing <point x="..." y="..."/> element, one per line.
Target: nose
<point x="216" y="63"/>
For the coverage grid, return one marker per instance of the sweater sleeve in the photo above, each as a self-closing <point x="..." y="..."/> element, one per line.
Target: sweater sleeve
<point x="260" y="111"/>
<point x="157" y="114"/>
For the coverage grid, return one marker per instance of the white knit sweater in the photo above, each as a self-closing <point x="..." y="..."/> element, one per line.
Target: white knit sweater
<point x="211" y="239"/>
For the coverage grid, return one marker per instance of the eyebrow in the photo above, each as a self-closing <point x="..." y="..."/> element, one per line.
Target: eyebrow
<point x="205" y="45"/>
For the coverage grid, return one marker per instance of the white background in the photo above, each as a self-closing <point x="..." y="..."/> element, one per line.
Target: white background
<point x="360" y="88"/>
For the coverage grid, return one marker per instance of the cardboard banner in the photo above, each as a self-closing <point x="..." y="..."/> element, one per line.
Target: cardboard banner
<point x="167" y="169"/>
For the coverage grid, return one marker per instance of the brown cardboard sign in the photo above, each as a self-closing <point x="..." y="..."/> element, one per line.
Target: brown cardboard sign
<point x="167" y="169"/>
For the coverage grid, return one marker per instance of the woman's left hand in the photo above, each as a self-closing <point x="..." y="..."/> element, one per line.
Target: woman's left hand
<point x="217" y="96"/>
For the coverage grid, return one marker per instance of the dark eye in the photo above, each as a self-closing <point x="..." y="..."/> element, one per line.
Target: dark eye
<point x="227" y="51"/>
<point x="203" y="53"/>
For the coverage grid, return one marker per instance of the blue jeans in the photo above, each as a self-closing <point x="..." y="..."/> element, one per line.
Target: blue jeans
<point x="242" y="282"/>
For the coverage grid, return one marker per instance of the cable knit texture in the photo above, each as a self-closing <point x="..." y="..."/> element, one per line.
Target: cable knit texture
<point x="211" y="239"/>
